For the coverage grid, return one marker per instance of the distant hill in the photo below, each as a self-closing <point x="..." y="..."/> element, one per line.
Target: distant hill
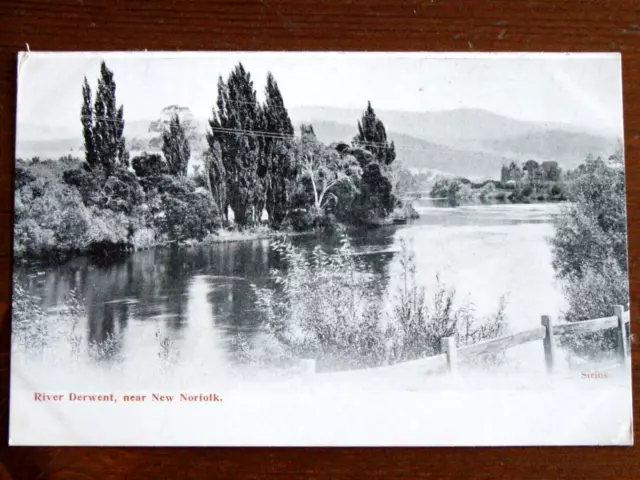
<point x="467" y="142"/>
<point x="418" y="154"/>
<point x="567" y="148"/>
<point x="439" y="126"/>
<point x="479" y="132"/>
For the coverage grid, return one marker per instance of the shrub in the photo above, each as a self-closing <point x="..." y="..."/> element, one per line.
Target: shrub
<point x="488" y="191"/>
<point x="28" y="325"/>
<point x="328" y="307"/>
<point x="589" y="251"/>
<point x="611" y="285"/>
<point x="186" y="213"/>
<point x="422" y="325"/>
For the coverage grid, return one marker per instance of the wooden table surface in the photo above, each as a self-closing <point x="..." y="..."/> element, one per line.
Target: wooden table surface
<point x="380" y="25"/>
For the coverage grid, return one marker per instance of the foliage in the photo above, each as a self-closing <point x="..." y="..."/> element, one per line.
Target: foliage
<point x="407" y="182"/>
<point x="593" y="228"/>
<point x="185" y="212"/>
<point x="611" y="285"/>
<point x="28" y="325"/>
<point x="325" y="169"/>
<point x="215" y="176"/>
<point x="372" y="136"/>
<point x="149" y="168"/>
<point x="326" y="306"/>
<point x="238" y="114"/>
<point x="175" y="147"/>
<point x="37" y="331"/>
<point x="422" y="325"/>
<point x="450" y="188"/>
<point x="279" y="168"/>
<point x="590" y="249"/>
<point x="103" y="126"/>
<point x="52" y="219"/>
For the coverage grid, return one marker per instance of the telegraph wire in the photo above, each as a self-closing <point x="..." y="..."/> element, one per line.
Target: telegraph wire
<point x="283" y="136"/>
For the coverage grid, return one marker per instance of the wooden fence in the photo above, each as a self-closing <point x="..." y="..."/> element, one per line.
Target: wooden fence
<point x="451" y="355"/>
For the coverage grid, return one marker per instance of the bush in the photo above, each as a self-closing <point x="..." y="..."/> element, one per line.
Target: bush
<point x="589" y="251"/>
<point x="556" y="190"/>
<point x="422" y="325"/>
<point x="36" y="333"/>
<point x="53" y="221"/>
<point x="186" y="213"/>
<point x="526" y="191"/>
<point x="611" y="285"/>
<point x="488" y="191"/>
<point x="328" y="307"/>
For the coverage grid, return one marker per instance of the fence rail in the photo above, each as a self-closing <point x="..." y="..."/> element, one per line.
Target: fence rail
<point x="545" y="332"/>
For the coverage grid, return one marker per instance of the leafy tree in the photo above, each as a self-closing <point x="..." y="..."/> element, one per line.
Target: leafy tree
<point x="590" y="250"/>
<point x="534" y="172"/>
<point x="515" y="173"/>
<point x="187" y="212"/>
<point x="52" y="221"/>
<point x="149" y="165"/>
<point x="86" y="117"/>
<point x="215" y="176"/>
<point x="372" y="136"/>
<point x="237" y="116"/>
<point x="87" y="183"/>
<point x="279" y="169"/>
<point x="551" y="171"/>
<point x="175" y="147"/>
<point x="375" y="199"/>
<point x="324" y="167"/>
<point x="121" y="192"/>
<point x="593" y="228"/>
<point x="103" y="127"/>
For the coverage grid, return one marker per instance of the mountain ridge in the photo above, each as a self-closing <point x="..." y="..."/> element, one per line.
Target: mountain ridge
<point x="467" y="141"/>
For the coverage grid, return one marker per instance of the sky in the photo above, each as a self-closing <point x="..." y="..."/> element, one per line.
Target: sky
<point x="578" y="89"/>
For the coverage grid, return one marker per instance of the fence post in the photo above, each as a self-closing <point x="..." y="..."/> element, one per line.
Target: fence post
<point x="547" y="342"/>
<point x="623" y="346"/>
<point x="448" y="347"/>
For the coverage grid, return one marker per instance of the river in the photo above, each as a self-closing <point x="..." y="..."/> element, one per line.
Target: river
<point x="198" y="299"/>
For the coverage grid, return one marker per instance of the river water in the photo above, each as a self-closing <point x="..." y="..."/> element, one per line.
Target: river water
<point x="198" y="299"/>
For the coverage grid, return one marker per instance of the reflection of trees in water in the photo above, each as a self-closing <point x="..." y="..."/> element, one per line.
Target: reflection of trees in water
<point x="373" y="247"/>
<point x="106" y="326"/>
<point x="153" y="285"/>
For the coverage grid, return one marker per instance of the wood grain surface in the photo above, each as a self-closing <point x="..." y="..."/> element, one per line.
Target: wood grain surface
<point x="380" y="25"/>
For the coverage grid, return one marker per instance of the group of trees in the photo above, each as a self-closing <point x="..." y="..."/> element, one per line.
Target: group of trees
<point x="106" y="201"/>
<point x="590" y="249"/>
<point x="254" y="162"/>
<point x="531" y="172"/>
<point x="531" y="181"/>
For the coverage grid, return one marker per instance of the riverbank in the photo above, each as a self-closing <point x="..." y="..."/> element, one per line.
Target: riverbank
<point x="221" y="236"/>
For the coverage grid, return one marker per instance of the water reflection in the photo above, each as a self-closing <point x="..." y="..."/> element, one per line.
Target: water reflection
<point x="199" y="298"/>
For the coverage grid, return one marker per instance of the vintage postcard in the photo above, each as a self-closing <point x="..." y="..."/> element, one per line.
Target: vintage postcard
<point x="320" y="249"/>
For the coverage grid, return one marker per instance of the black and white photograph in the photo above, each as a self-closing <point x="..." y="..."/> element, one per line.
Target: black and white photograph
<point x="320" y="249"/>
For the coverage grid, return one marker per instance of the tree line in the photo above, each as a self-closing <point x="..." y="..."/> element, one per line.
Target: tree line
<point x="519" y="183"/>
<point x="254" y="162"/>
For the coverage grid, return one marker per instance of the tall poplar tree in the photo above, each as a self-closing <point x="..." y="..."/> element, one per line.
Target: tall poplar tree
<point x="235" y="126"/>
<point x="175" y="147"/>
<point x="103" y="126"/>
<point x="278" y="169"/>
<point x="372" y="136"/>
<point x="86" y="117"/>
